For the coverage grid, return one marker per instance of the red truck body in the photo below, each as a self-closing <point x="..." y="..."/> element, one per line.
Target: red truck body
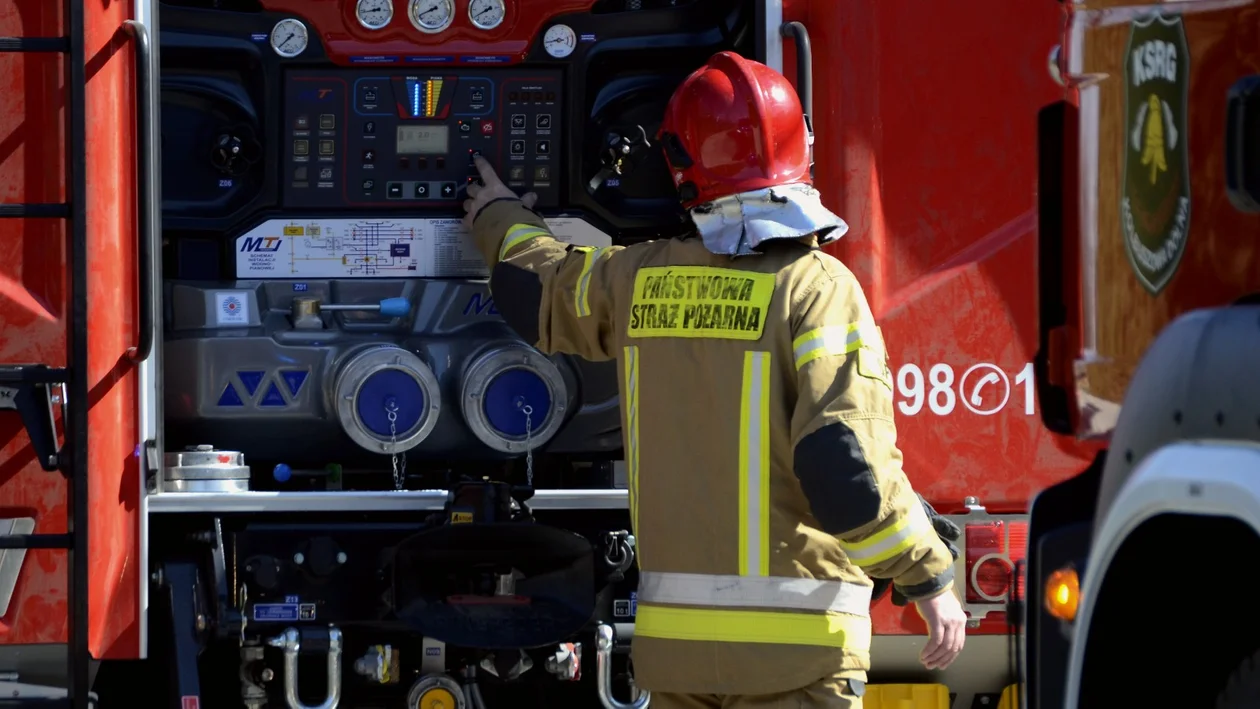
<point x="926" y="145"/>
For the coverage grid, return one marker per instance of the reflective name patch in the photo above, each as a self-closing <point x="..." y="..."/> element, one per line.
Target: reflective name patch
<point x="700" y="301"/>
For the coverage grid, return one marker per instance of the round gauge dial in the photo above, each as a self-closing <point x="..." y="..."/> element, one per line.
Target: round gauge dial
<point x="289" y="37"/>
<point x="374" y="14"/>
<point x="486" y="14"/>
<point x="431" y="15"/>
<point x="560" y="41"/>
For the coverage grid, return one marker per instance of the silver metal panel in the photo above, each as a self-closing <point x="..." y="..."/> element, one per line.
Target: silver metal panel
<point x="11" y="559"/>
<point x="374" y="501"/>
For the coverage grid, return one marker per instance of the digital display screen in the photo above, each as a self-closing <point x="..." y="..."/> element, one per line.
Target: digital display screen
<point x="423" y="140"/>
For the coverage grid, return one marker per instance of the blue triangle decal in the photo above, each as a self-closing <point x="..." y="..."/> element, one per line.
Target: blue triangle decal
<point x="294" y="379"/>
<point x="229" y="397"/>
<point x="272" y="397"/>
<point x="251" y="380"/>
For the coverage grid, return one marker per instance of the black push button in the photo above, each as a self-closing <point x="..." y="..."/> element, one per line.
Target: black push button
<point x="542" y="120"/>
<point x="422" y="190"/>
<point x="394" y="190"/>
<point x="448" y="190"/>
<point x="518" y="147"/>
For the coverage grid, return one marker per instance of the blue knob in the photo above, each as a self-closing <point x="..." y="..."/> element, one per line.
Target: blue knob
<point x="282" y="473"/>
<point x="395" y="307"/>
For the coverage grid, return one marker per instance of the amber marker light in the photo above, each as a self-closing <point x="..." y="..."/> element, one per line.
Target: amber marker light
<point x="1063" y="594"/>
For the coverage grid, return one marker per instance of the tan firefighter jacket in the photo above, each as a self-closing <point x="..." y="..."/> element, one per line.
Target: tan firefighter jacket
<point x="765" y="481"/>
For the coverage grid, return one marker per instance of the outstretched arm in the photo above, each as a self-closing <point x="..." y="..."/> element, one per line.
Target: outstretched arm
<point x="558" y="297"/>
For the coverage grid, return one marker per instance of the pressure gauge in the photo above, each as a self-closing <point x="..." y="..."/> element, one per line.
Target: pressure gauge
<point x="560" y="41"/>
<point x="431" y="16"/>
<point x="374" y="14"/>
<point x="289" y="37"/>
<point x="486" y="14"/>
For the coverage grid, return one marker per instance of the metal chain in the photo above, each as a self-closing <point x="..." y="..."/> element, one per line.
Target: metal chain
<point x="529" y="446"/>
<point x="400" y="475"/>
<point x="244" y="614"/>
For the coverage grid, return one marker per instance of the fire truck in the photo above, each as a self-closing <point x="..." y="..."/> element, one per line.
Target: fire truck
<point x="1149" y="202"/>
<point x="266" y="440"/>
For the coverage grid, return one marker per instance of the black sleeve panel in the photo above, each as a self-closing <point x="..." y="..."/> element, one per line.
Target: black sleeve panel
<point x="924" y="590"/>
<point x="836" y="478"/>
<point x="518" y="295"/>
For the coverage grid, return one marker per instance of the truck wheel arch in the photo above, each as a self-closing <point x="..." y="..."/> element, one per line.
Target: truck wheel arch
<point x="1178" y="509"/>
<point x="1160" y="610"/>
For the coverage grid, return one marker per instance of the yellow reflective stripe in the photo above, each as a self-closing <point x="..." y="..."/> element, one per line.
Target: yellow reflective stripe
<point x="518" y="234"/>
<point x="754" y="466"/>
<point x="832" y="340"/>
<point x="838" y="630"/>
<point x="581" y="302"/>
<point x="894" y="540"/>
<point x="631" y="395"/>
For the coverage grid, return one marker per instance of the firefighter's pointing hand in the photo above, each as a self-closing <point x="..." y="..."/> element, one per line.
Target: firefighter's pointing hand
<point x="490" y="189"/>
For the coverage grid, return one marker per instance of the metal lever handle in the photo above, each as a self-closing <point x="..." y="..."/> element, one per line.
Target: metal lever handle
<point x="305" y="311"/>
<point x="149" y="195"/>
<point x="389" y="307"/>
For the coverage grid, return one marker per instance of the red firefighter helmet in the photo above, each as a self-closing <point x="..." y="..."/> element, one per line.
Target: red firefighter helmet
<point x="734" y="125"/>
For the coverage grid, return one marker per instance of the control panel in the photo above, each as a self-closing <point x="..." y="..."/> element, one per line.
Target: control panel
<point x="406" y="139"/>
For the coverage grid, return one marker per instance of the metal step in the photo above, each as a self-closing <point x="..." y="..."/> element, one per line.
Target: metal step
<point x="36" y="541"/>
<point x="32" y="374"/>
<point x="57" y="210"/>
<point x="59" y="45"/>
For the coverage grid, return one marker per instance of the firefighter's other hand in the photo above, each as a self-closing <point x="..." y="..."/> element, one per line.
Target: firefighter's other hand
<point x="947" y="629"/>
<point x="488" y="190"/>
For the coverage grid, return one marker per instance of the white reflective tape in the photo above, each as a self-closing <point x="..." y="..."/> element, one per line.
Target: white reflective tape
<point x="774" y="592"/>
<point x="892" y="541"/>
<point x="518" y="234"/>
<point x="754" y="466"/>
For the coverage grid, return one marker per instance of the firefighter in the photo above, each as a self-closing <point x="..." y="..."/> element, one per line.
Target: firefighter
<point x="766" y="486"/>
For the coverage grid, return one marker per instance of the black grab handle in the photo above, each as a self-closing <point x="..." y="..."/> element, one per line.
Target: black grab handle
<point x="804" y="66"/>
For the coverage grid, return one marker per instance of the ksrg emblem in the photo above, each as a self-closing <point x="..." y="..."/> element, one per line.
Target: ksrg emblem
<point x="1155" y="201"/>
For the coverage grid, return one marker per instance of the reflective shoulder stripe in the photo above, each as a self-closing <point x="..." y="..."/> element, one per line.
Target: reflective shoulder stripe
<point x="630" y="393"/>
<point x="754" y="466"/>
<point x="894" y="540"/>
<point x="838" y="630"/>
<point x="582" y="303"/>
<point x="518" y="234"/>
<point x="832" y="340"/>
<point x="766" y="592"/>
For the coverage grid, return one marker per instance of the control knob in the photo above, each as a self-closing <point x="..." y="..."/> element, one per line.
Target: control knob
<point x="621" y="154"/>
<point x="234" y="155"/>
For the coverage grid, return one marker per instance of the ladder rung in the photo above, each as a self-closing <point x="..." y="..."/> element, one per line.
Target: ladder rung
<point x="32" y="374"/>
<point x="35" y="541"/>
<point x="34" y="44"/>
<point x="35" y="211"/>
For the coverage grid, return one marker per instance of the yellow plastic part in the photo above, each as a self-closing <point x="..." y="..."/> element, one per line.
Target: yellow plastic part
<point x="906" y="696"/>
<point x="1010" y="698"/>
<point x="437" y="698"/>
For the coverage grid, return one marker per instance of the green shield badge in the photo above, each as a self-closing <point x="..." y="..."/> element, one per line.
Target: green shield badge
<point x="1155" y="202"/>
